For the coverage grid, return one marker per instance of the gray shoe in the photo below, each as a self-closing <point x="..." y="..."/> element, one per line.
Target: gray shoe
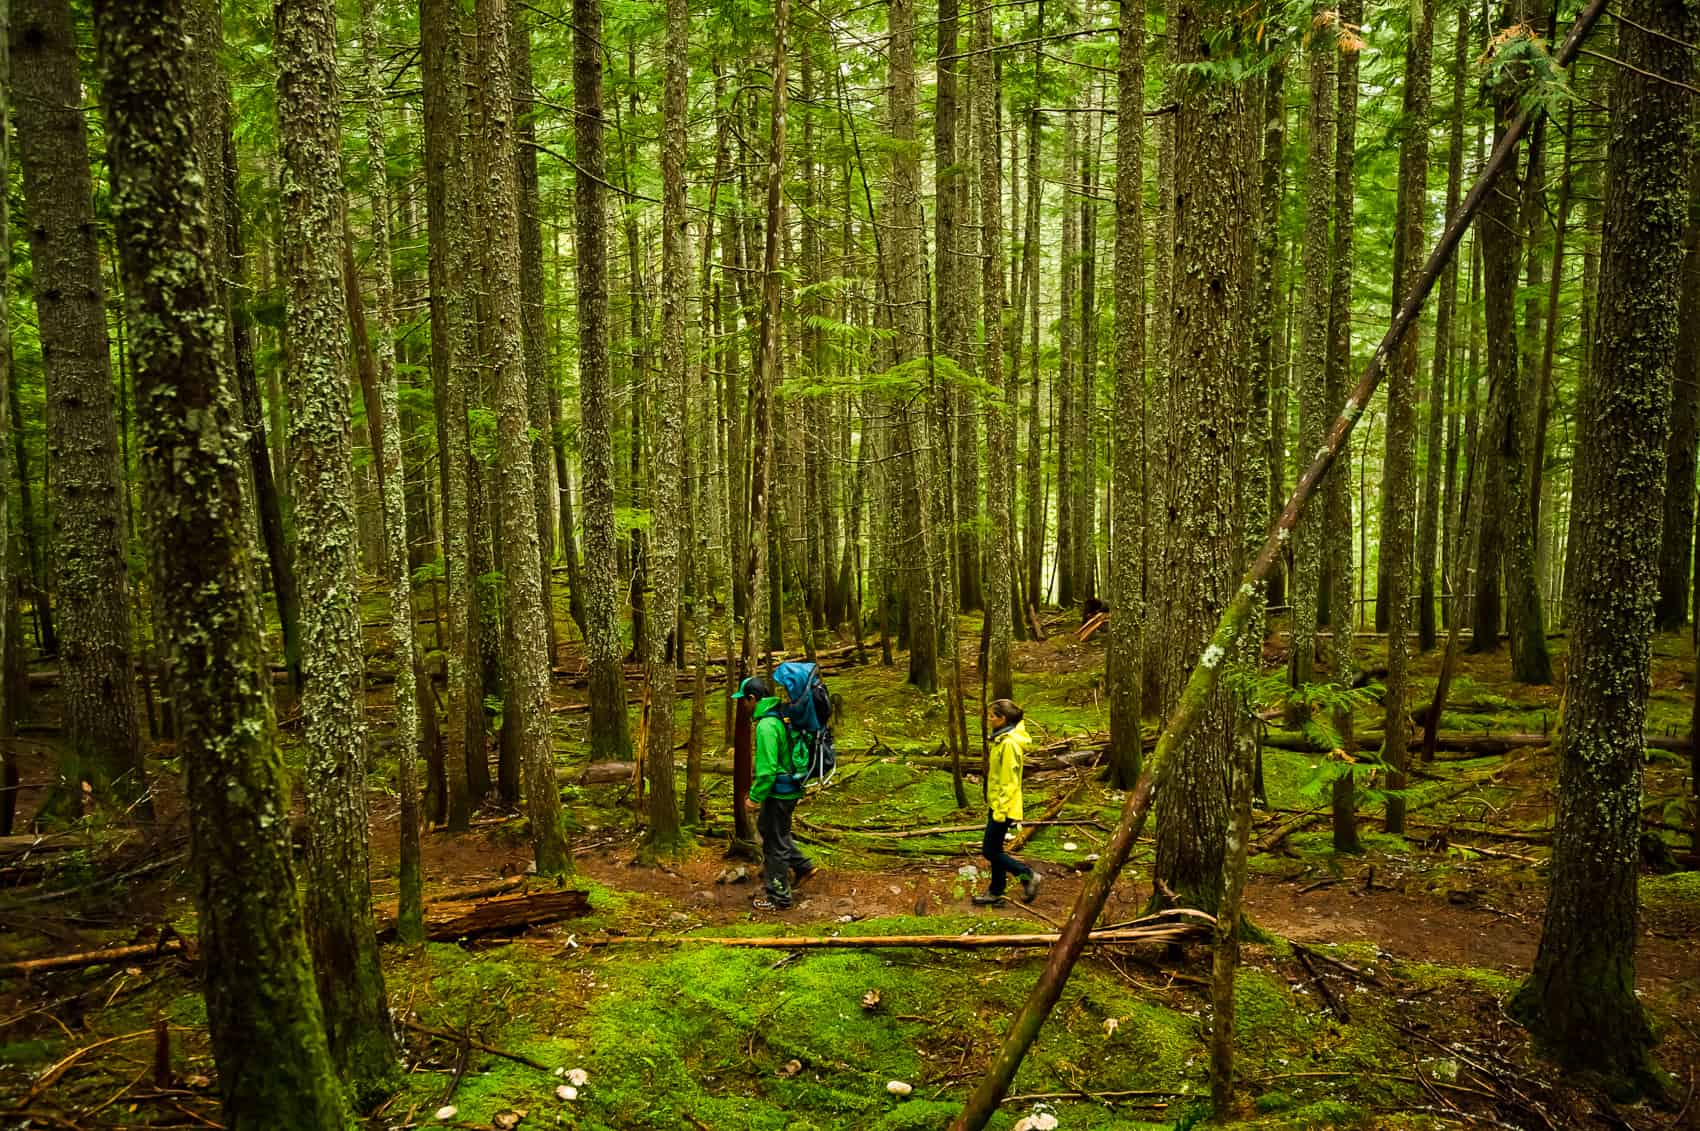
<point x="1030" y="886"/>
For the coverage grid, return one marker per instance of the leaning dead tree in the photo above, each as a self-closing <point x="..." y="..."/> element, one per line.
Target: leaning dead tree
<point x="1207" y="673"/>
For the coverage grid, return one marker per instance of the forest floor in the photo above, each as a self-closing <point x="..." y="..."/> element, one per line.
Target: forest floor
<point x="1372" y="998"/>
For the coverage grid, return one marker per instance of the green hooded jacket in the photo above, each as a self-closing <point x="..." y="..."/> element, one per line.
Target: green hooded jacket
<point x="775" y="761"/>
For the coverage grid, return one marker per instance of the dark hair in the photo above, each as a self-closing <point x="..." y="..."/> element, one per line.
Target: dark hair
<point x="1006" y="710"/>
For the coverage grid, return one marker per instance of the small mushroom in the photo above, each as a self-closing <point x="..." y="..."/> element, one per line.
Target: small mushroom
<point x="899" y="1088"/>
<point x="566" y="1092"/>
<point x="446" y="1113"/>
<point x="578" y="1077"/>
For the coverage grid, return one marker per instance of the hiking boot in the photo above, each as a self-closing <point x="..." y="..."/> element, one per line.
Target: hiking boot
<point x="1030" y="886"/>
<point x="988" y="899"/>
<point x="766" y="902"/>
<point x="798" y="875"/>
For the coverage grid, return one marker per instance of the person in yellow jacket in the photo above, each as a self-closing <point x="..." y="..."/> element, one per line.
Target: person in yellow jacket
<point x="1003" y="792"/>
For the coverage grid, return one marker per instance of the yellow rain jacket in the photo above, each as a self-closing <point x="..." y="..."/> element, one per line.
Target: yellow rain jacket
<point x="1003" y="777"/>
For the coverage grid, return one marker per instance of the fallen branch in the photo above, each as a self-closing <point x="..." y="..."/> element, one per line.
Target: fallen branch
<point x="1177" y="926"/>
<point x="460" y="1038"/>
<point x="92" y="958"/>
<point x="1048" y="818"/>
<point x="510" y="916"/>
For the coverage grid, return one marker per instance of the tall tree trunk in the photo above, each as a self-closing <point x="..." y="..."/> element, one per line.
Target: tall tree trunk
<point x="1306" y="588"/>
<point x="263" y="1012"/>
<point x="12" y="672"/>
<point x="1506" y="512"/>
<point x="385" y="428"/>
<point x="448" y="219"/>
<point x="1400" y="469"/>
<point x="1337" y="539"/>
<point x="525" y="665"/>
<point x="1265" y="328"/>
<point x="666" y="498"/>
<point x="1436" y="511"/>
<point x="1677" y="540"/>
<point x="84" y="497"/>
<point x="1000" y="420"/>
<point x="1127" y="524"/>
<point x="1067" y="458"/>
<point x="542" y="401"/>
<point x="333" y="661"/>
<point x="903" y="214"/>
<point x="610" y="732"/>
<point x="1580" y="999"/>
<point x="1086" y="479"/>
<point x="1035" y="490"/>
<point x="1213" y="204"/>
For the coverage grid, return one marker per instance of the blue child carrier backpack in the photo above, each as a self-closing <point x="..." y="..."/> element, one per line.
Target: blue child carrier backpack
<point x="809" y="715"/>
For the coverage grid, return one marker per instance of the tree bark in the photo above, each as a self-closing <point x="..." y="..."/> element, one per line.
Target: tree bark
<point x="263" y="1012"/>
<point x="84" y="497"/>
<point x="448" y="219"/>
<point x="1676" y="546"/>
<point x="1000" y="420"/>
<point x="1400" y="469"/>
<point x="666" y="493"/>
<point x="525" y="643"/>
<point x="1580" y="999"/>
<point x="385" y="428"/>
<point x="1127" y="628"/>
<point x="333" y="665"/>
<point x="610" y="733"/>
<point x="1207" y="335"/>
<point x="1306" y="589"/>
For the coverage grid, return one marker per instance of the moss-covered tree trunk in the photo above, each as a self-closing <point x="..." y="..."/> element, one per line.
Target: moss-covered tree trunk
<point x="1068" y="496"/>
<point x="525" y="640"/>
<point x="11" y="657"/>
<point x="1399" y="471"/>
<point x="263" y="1013"/>
<point x="447" y="219"/>
<point x="1317" y="253"/>
<point x="1580" y="999"/>
<point x="666" y="460"/>
<point x="84" y="499"/>
<point x="1214" y="206"/>
<point x="1337" y="530"/>
<point x="1269" y="371"/>
<point x="1127" y="520"/>
<point x="1000" y="419"/>
<point x="1676" y="547"/>
<point x="333" y="660"/>
<point x="610" y="731"/>
<point x="386" y="432"/>
<point x="542" y="401"/>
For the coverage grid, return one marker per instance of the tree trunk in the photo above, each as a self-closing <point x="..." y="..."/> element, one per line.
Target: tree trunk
<point x="1207" y="335"/>
<point x="610" y="733"/>
<point x="542" y="402"/>
<point x="1677" y="540"/>
<point x="267" y="1030"/>
<point x="1337" y="551"/>
<point x="448" y="219"/>
<point x="333" y="663"/>
<point x="1305" y="592"/>
<point x="1400" y="469"/>
<point x="525" y="643"/>
<point x="12" y="671"/>
<point x="1271" y="377"/>
<point x="1127" y="628"/>
<point x="1067" y="495"/>
<point x="666" y="493"/>
<point x="1436" y="510"/>
<point x="84" y="497"/>
<point x="1580" y="999"/>
<point x="386" y="433"/>
<point x="1000" y="419"/>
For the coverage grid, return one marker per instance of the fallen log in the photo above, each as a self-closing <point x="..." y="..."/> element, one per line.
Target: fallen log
<point x="1174" y="926"/>
<point x="104" y="957"/>
<point x="509" y="916"/>
<point x="1473" y="745"/>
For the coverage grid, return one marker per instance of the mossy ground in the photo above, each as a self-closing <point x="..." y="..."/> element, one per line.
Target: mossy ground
<point x="1438" y="925"/>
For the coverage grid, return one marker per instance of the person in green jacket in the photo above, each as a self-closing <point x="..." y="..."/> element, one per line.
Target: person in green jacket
<point x="776" y="787"/>
<point x="1003" y="792"/>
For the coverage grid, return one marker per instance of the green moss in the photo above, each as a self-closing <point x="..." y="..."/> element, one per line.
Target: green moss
<point x="1677" y="891"/>
<point x="1437" y="975"/>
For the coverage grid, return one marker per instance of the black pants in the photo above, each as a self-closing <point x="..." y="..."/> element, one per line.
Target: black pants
<point x="1003" y="864"/>
<point x="778" y="854"/>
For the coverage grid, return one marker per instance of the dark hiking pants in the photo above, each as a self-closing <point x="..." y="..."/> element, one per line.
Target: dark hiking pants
<point x="1003" y="864"/>
<point x="779" y="856"/>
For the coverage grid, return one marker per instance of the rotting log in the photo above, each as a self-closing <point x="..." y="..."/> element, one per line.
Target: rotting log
<point x="1177" y="925"/>
<point x="105" y="957"/>
<point x="984" y="1101"/>
<point x="509" y="916"/>
<point x="1472" y="745"/>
